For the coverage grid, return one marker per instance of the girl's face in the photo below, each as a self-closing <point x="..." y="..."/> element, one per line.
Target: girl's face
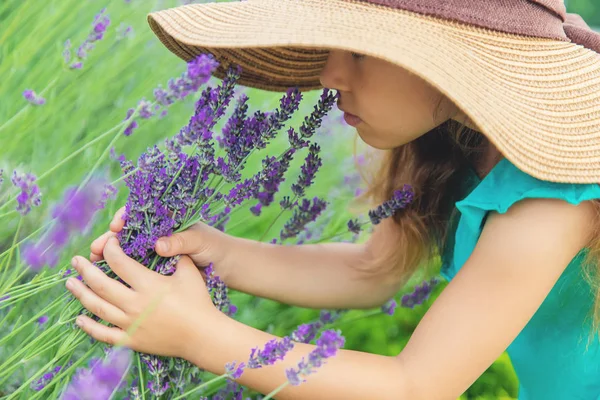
<point x="395" y="105"/>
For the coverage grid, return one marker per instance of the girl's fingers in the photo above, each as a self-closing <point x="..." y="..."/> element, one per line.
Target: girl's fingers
<point x="97" y="246"/>
<point x="105" y="287"/>
<point x="95" y="257"/>
<point x="95" y="304"/>
<point x="111" y="335"/>
<point x="132" y="272"/>
<point x="117" y="222"/>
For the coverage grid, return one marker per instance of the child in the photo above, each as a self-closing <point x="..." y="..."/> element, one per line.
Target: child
<point x="491" y="110"/>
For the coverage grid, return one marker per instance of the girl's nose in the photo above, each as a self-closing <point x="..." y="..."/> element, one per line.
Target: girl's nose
<point x="336" y="73"/>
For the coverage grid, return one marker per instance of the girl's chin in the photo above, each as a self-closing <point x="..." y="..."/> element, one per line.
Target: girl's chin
<point x="379" y="143"/>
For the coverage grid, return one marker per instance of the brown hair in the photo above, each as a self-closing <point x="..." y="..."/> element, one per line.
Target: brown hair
<point x="436" y="165"/>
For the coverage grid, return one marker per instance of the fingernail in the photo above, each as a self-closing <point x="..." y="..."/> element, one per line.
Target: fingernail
<point x="79" y="322"/>
<point x="163" y="245"/>
<point x="70" y="283"/>
<point x="74" y="262"/>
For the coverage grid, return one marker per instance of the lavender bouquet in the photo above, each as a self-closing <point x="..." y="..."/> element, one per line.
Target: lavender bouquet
<point x="197" y="177"/>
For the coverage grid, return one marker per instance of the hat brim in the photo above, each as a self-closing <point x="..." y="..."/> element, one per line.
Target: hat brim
<point x="536" y="99"/>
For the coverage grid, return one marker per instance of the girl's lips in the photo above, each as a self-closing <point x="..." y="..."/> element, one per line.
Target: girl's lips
<point x="352" y="120"/>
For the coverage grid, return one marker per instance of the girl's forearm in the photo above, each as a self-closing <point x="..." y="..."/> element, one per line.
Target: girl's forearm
<point x="312" y="275"/>
<point x="349" y="375"/>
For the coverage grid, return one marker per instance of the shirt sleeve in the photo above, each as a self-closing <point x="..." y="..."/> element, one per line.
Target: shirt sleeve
<point x="504" y="186"/>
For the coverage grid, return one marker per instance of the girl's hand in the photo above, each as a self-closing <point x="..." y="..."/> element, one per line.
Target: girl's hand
<point x="203" y="243"/>
<point x="166" y="315"/>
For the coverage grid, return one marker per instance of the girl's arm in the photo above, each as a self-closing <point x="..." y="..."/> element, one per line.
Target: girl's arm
<point x="328" y="275"/>
<point x="324" y="275"/>
<point x="517" y="261"/>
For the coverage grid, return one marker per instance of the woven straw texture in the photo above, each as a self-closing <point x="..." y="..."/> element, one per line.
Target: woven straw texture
<point x="536" y="99"/>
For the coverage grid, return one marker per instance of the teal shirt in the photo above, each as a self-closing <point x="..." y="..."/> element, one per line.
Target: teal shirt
<point x="549" y="355"/>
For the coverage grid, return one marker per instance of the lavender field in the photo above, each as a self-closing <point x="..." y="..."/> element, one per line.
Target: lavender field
<point x="95" y="114"/>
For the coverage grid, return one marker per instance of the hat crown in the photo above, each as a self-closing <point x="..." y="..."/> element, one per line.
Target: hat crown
<point x="556" y="6"/>
<point x="539" y="18"/>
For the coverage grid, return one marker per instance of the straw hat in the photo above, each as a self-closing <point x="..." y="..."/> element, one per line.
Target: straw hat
<point x="524" y="71"/>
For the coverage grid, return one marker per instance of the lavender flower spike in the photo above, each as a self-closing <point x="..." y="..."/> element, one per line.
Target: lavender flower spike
<point x="328" y="344"/>
<point x="274" y="350"/>
<point x="73" y="216"/>
<point x="306" y="212"/>
<point x="389" y="307"/>
<point x="99" y="26"/>
<point x="305" y="333"/>
<point x="420" y="294"/>
<point x="199" y="71"/>
<point x="400" y="200"/>
<point x="159" y="374"/>
<point x="102" y="379"/>
<point x="33" y="98"/>
<point x="311" y="165"/>
<point x="313" y="121"/>
<point x="30" y="192"/>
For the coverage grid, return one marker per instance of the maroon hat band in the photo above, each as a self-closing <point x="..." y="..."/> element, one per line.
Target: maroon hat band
<point x="538" y="18"/>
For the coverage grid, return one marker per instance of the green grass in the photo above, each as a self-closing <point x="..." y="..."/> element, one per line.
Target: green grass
<point x="83" y="104"/>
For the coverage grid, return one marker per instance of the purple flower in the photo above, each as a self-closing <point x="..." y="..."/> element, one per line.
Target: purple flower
<point x="389" y="307"/>
<point x="313" y="122"/>
<point x="216" y="287"/>
<point x="296" y="142"/>
<point x="47" y="377"/>
<point x="328" y="344"/>
<point x="275" y="349"/>
<point x="77" y="209"/>
<point x="198" y="72"/>
<point x="306" y="212"/>
<point x="256" y="210"/>
<point x="233" y="132"/>
<point x="30" y="192"/>
<point x="305" y="333"/>
<point x="400" y="200"/>
<point x="115" y="157"/>
<point x="159" y="374"/>
<point x="73" y="216"/>
<point x="99" y="26"/>
<point x="42" y="320"/>
<point x="272" y="175"/>
<point x="102" y="378"/>
<point x="311" y="165"/>
<point x="354" y="226"/>
<point x="420" y="294"/>
<point x="209" y="109"/>
<point x="132" y="125"/>
<point x="124" y="31"/>
<point x="242" y="191"/>
<point x="146" y="216"/>
<point x="242" y="136"/>
<point x="234" y="370"/>
<point x="33" y="98"/>
<point x="232" y="390"/>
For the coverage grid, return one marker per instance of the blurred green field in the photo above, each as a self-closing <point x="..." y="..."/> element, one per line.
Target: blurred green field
<point x="83" y="104"/>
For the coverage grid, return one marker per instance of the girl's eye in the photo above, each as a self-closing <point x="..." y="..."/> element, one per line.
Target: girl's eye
<point x="357" y="56"/>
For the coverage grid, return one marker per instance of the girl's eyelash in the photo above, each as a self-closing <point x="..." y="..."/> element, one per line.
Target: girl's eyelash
<point x="357" y="56"/>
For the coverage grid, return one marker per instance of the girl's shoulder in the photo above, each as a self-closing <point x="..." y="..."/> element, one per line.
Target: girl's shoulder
<point x="501" y="188"/>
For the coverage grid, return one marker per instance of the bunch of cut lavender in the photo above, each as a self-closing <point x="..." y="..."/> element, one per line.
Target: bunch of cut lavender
<point x="170" y="190"/>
